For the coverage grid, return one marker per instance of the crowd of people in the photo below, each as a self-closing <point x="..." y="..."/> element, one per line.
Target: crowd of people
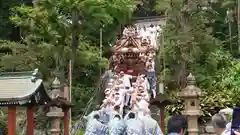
<point x="221" y="123"/>
<point x="132" y="125"/>
<point x="125" y="107"/>
<point x="145" y="125"/>
<point x="147" y="34"/>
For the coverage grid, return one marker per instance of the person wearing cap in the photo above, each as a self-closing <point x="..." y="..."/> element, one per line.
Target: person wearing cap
<point x="151" y="125"/>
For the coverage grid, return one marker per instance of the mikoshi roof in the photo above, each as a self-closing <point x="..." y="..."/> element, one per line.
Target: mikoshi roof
<point x="22" y="88"/>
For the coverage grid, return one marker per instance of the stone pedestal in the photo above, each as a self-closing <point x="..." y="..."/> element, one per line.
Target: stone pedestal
<point x="55" y="115"/>
<point x="192" y="111"/>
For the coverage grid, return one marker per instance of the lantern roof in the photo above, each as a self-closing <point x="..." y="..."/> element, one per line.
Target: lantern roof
<point x="191" y="90"/>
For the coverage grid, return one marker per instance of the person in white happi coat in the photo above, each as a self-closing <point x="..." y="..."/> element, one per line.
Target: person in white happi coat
<point x="151" y="126"/>
<point x="90" y="116"/>
<point x="110" y="84"/>
<point x="116" y="125"/>
<point x="159" y="30"/>
<point x="128" y="96"/>
<point x="153" y="32"/>
<point x="144" y="94"/>
<point x="116" y="111"/>
<point x="133" y="125"/>
<point x="125" y="79"/>
<point x="107" y="106"/>
<point x="144" y="33"/>
<point x="135" y="105"/>
<point x="121" y="87"/>
<point x="143" y="104"/>
<point x="143" y="84"/>
<point x="95" y="127"/>
<point x="151" y="55"/>
<point x="125" y="31"/>
<point x="118" y="101"/>
<point x="150" y="62"/>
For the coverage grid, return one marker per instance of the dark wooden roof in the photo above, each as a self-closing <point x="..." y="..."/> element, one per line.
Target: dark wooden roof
<point x="21" y="88"/>
<point x="26" y="88"/>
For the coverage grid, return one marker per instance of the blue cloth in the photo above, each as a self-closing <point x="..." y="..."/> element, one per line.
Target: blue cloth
<point x="151" y="77"/>
<point x="116" y="127"/>
<point x="134" y="127"/>
<point x="105" y="117"/>
<point x="95" y="127"/>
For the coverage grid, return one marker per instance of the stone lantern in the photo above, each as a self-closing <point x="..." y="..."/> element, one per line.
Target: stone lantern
<point x="55" y="112"/>
<point x="192" y="111"/>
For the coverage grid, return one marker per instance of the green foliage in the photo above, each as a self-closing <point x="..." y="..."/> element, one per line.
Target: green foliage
<point x="47" y="29"/>
<point x="192" y="45"/>
<point x="81" y="133"/>
<point x="3" y="126"/>
<point x="3" y="122"/>
<point x="5" y="12"/>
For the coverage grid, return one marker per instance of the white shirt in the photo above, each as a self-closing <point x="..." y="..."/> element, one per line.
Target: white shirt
<point x="143" y="104"/>
<point x="126" y="80"/>
<point x="125" y="31"/>
<point x="151" y="126"/>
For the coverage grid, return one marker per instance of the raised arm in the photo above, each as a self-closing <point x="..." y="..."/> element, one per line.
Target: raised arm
<point x="118" y="102"/>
